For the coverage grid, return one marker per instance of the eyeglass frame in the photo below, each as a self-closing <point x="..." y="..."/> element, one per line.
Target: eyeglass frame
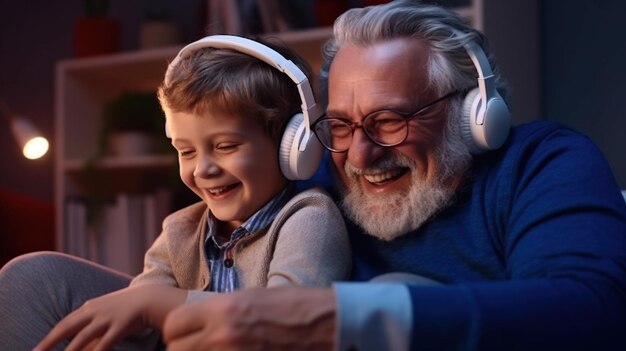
<point x="406" y="116"/>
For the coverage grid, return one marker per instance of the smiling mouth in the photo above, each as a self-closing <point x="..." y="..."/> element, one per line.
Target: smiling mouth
<point x="222" y="189"/>
<point x="384" y="177"/>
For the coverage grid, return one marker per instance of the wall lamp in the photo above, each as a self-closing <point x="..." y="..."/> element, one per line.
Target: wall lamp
<point x="30" y="140"/>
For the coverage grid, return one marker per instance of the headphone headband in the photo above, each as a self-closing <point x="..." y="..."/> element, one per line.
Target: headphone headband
<point x="310" y="109"/>
<point x="248" y="47"/>
<point x="485" y="79"/>
<point x="486" y="117"/>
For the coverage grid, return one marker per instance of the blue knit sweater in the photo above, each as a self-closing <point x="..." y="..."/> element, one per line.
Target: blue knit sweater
<point x="532" y="252"/>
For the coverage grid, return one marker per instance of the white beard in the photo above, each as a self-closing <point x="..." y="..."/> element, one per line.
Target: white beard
<point x="389" y="216"/>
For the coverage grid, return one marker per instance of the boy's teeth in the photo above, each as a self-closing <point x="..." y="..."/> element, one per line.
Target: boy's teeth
<point x="217" y="191"/>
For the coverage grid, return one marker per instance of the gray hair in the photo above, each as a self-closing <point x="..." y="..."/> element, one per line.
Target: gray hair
<point x="449" y="67"/>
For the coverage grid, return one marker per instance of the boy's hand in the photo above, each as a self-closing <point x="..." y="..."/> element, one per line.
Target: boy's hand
<point x="104" y="321"/>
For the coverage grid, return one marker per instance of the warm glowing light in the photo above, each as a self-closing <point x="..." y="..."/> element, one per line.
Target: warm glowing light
<point x="32" y="143"/>
<point x="35" y="148"/>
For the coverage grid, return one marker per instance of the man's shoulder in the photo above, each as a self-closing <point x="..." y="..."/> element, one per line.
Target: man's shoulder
<point x="537" y="131"/>
<point x="535" y="146"/>
<point x="526" y="140"/>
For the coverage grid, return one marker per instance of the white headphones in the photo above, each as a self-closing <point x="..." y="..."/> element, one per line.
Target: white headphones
<point x="486" y="118"/>
<point x="299" y="153"/>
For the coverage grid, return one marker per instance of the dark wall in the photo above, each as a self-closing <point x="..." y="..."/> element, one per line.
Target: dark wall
<point x="584" y="54"/>
<point x="513" y="29"/>
<point x="34" y="35"/>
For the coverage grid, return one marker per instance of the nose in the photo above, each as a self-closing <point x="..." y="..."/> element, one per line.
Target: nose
<point x="363" y="151"/>
<point x="205" y="167"/>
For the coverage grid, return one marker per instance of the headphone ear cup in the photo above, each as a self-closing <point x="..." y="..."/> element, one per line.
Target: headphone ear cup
<point x="497" y="123"/>
<point x="296" y="164"/>
<point x="484" y="128"/>
<point x="468" y="118"/>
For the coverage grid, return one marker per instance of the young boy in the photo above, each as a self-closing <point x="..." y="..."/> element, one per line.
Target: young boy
<point x="226" y="114"/>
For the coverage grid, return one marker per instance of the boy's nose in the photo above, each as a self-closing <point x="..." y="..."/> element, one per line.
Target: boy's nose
<point x="205" y="168"/>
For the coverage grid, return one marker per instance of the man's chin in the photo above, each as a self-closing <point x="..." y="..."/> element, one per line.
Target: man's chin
<point x="389" y="216"/>
<point x="374" y="220"/>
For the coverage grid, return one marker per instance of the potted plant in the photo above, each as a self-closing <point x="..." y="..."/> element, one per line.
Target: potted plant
<point x="158" y="29"/>
<point x="133" y="124"/>
<point x="96" y="33"/>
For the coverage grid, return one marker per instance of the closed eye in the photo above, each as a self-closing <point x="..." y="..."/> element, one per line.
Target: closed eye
<point x="186" y="153"/>
<point x="226" y="147"/>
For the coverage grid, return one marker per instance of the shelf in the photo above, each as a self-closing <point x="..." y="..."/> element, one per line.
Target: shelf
<point x="123" y="163"/>
<point x="137" y="174"/>
<point x="147" y="67"/>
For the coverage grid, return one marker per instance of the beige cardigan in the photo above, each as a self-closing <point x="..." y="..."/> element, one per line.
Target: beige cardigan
<point x="306" y="244"/>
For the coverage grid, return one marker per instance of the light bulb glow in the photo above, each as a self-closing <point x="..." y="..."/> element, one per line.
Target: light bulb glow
<point x="35" y="148"/>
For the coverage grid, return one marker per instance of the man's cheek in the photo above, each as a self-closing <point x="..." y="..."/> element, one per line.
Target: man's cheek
<point x="338" y="169"/>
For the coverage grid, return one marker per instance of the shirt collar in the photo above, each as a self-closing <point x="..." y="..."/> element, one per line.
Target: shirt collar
<point x="258" y="221"/>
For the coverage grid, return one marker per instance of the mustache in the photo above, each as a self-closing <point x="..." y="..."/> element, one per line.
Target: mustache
<point x="381" y="165"/>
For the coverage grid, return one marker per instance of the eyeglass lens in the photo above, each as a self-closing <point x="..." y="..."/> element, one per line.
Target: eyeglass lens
<point x="385" y="128"/>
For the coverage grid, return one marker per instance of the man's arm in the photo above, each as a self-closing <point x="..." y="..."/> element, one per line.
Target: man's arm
<point x="373" y="316"/>
<point x="562" y="230"/>
<point x="282" y="318"/>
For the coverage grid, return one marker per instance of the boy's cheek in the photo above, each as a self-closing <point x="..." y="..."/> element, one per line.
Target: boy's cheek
<point x="186" y="175"/>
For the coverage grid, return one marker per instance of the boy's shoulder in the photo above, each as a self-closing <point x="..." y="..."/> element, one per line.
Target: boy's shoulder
<point x="311" y="208"/>
<point x="314" y="192"/>
<point x="310" y="200"/>
<point x="191" y="214"/>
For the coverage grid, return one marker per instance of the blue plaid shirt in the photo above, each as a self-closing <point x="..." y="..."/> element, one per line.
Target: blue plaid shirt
<point x="219" y="253"/>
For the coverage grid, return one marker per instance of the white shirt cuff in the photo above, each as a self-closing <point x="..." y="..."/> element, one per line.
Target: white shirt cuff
<point x="373" y="316"/>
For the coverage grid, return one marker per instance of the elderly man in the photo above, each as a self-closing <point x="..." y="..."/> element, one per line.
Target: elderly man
<point x="505" y="238"/>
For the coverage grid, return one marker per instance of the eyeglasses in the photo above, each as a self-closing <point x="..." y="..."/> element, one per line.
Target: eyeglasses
<point x="385" y="127"/>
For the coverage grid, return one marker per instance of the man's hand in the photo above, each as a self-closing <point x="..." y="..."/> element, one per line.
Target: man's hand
<point x="282" y="318"/>
<point x="102" y="322"/>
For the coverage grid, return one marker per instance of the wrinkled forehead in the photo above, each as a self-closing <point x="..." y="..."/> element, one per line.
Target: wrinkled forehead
<point x="374" y="76"/>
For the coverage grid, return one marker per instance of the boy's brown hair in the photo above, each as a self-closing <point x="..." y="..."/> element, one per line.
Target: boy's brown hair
<point x="231" y="81"/>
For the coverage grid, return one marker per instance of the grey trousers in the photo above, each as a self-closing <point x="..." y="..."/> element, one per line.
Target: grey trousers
<point x="38" y="289"/>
